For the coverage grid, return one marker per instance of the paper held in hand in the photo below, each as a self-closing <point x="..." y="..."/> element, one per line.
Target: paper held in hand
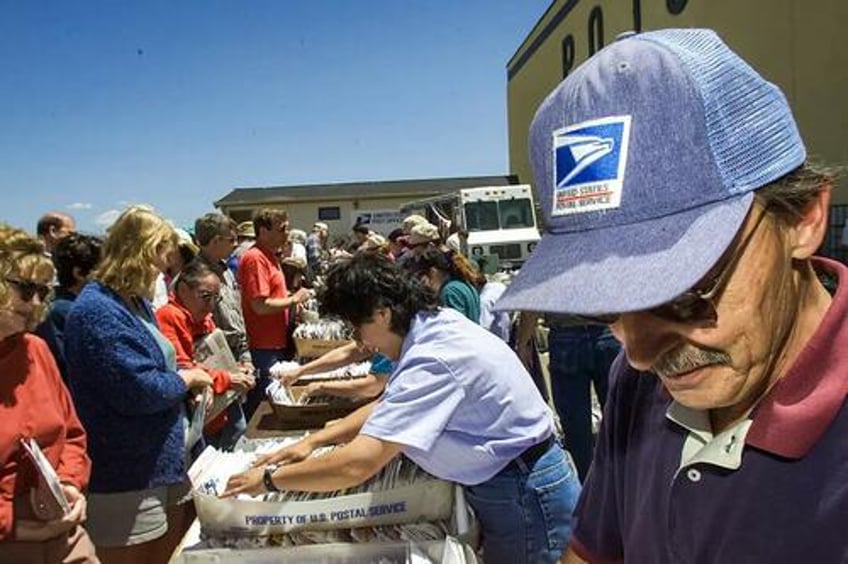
<point x="51" y="501"/>
<point x="212" y="351"/>
<point x="194" y="430"/>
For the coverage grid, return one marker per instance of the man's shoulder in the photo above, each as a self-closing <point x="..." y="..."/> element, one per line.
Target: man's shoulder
<point x="255" y="258"/>
<point x="59" y="309"/>
<point x="219" y="267"/>
<point x="170" y="313"/>
<point x="250" y="263"/>
<point x="63" y="302"/>
<point x="253" y="253"/>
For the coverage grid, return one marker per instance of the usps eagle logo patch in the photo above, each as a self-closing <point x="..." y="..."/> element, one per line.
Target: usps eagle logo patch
<point x="589" y="163"/>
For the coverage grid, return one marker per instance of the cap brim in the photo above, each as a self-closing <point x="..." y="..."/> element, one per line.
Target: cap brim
<point x="625" y="268"/>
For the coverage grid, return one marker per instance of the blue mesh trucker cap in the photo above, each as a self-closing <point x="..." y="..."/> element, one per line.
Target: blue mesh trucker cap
<point x="645" y="160"/>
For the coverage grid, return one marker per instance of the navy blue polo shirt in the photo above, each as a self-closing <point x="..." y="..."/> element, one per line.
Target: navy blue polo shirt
<point x="786" y="502"/>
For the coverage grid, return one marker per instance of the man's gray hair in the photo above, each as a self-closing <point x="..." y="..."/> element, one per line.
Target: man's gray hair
<point x="787" y="196"/>
<point x="211" y="225"/>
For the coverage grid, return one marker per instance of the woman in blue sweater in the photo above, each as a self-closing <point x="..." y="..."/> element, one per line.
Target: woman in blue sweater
<point x="130" y="397"/>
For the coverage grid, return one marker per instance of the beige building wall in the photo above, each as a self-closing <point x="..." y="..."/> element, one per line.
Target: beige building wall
<point x="303" y="213"/>
<point x="798" y="44"/>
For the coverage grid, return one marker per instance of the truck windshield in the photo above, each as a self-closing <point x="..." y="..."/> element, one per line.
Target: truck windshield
<point x="516" y="213"/>
<point x="481" y="216"/>
<point x="502" y="214"/>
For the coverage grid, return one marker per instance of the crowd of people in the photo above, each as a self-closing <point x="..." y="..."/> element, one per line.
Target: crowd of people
<point x="122" y="319"/>
<point x="677" y="276"/>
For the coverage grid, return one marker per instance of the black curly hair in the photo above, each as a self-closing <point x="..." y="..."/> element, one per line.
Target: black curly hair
<point x="76" y="251"/>
<point x="368" y="281"/>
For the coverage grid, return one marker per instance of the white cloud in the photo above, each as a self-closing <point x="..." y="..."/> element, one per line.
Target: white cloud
<point x="79" y="206"/>
<point x="107" y="218"/>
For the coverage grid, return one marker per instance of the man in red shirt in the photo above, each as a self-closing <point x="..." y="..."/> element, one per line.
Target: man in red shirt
<point x="187" y="318"/>
<point x="265" y="300"/>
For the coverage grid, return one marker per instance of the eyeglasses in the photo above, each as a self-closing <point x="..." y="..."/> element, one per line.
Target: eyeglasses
<point x="698" y="304"/>
<point x="209" y="296"/>
<point x="28" y="289"/>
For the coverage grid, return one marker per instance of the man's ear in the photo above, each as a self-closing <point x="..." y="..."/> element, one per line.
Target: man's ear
<point x="76" y="272"/>
<point x="180" y="290"/>
<point x="385" y="315"/>
<point x="809" y="230"/>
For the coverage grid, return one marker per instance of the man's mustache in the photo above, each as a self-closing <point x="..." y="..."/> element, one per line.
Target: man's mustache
<point x="687" y="358"/>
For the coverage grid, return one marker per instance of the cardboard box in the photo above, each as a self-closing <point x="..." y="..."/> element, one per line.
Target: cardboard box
<point x="313" y="416"/>
<point x="246" y="525"/>
<point x="426" y="499"/>
<point x="430" y="500"/>
<point x="313" y="348"/>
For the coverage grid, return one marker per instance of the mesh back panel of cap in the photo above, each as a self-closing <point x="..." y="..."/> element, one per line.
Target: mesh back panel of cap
<point x="753" y="136"/>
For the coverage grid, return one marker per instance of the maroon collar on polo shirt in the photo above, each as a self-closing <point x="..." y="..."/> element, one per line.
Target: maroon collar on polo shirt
<point x="795" y="414"/>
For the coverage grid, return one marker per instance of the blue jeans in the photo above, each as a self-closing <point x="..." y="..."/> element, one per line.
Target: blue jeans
<point x="580" y="356"/>
<point x="525" y="513"/>
<point x="262" y="359"/>
<point x="227" y="437"/>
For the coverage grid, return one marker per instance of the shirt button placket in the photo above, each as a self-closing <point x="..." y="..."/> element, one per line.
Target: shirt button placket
<point x="676" y="548"/>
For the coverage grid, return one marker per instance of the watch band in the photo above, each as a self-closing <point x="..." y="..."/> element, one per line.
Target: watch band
<point x="268" y="480"/>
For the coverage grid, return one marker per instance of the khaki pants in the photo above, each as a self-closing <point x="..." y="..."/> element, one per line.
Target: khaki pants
<point x="73" y="547"/>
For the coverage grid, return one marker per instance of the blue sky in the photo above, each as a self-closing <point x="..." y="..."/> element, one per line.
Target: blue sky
<point x="176" y="103"/>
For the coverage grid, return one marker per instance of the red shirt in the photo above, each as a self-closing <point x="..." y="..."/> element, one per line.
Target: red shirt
<point x="180" y="328"/>
<point x="34" y="403"/>
<point x="260" y="276"/>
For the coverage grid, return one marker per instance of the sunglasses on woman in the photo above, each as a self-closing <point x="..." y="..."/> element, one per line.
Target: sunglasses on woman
<point x="698" y="305"/>
<point x="28" y="289"/>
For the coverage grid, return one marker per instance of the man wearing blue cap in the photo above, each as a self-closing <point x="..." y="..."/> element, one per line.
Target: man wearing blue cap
<point x="682" y="212"/>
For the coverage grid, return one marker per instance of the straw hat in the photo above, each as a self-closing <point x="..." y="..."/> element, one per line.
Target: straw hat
<point x="245" y="229"/>
<point x="294" y="262"/>
<point x="423" y="233"/>
<point x="411" y="221"/>
<point x="374" y="241"/>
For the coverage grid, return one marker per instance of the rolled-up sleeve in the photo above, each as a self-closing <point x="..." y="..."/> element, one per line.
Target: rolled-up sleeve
<point x="416" y="408"/>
